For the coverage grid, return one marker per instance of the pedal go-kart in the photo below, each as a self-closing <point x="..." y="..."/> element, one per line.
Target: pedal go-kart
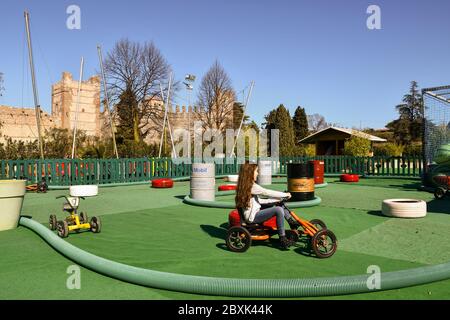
<point x="74" y="222"/>
<point x="443" y="186"/>
<point x="321" y="240"/>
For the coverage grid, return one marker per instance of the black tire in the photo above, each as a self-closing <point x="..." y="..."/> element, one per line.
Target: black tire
<point x="319" y="224"/>
<point x="96" y="225"/>
<point x="292" y="235"/>
<point x="324" y="243"/>
<point x="84" y="218"/>
<point x="238" y="239"/>
<point x="52" y="222"/>
<point x="63" y="229"/>
<point x="439" y="193"/>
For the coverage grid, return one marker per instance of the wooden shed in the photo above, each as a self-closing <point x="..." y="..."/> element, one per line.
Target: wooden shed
<point x="330" y="141"/>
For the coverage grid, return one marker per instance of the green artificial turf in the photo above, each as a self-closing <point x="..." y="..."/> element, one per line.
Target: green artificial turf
<point x="152" y="228"/>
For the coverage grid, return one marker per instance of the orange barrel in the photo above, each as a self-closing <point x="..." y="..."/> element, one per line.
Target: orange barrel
<point x="301" y="181"/>
<point x="319" y="171"/>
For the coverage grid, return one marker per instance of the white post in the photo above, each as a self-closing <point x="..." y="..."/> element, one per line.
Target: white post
<point x="100" y="57"/>
<point x="243" y="116"/>
<point x="77" y="107"/>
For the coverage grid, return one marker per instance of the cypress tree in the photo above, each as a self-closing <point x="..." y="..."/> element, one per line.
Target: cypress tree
<point x="280" y="119"/>
<point x="300" y="122"/>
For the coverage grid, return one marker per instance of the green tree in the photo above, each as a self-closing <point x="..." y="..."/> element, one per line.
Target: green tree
<point x="128" y="114"/>
<point x="357" y="146"/>
<point x="281" y="119"/>
<point x="409" y="126"/>
<point x="300" y="122"/>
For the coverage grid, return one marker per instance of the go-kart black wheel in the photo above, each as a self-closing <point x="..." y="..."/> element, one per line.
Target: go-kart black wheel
<point x="52" y="222"/>
<point x="63" y="229"/>
<point x="238" y="239"/>
<point x="84" y="218"/>
<point x="292" y="235"/>
<point x="96" y="225"/>
<point x="439" y="193"/>
<point x="324" y="243"/>
<point x="319" y="224"/>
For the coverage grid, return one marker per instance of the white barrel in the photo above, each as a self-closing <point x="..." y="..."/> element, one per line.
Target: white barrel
<point x="83" y="191"/>
<point x="203" y="181"/>
<point x="12" y="193"/>
<point x="233" y="178"/>
<point x="265" y="172"/>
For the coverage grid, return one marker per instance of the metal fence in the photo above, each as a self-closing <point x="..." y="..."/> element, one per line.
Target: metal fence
<point x="63" y="172"/>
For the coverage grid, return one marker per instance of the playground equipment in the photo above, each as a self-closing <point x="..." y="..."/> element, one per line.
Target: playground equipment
<point x="240" y="235"/>
<point x="228" y="187"/>
<point x="404" y="208"/>
<point x="349" y="178"/>
<point x="76" y="222"/>
<point x="265" y="172"/>
<point x="164" y="183"/>
<point x="443" y="186"/>
<point x="203" y="181"/>
<point x="301" y="181"/>
<point x="436" y="137"/>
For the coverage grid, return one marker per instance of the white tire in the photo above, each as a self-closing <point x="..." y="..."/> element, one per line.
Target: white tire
<point x="233" y="178"/>
<point x="83" y="191"/>
<point x="404" y="208"/>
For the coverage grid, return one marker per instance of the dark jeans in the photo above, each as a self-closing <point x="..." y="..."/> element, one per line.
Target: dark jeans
<point x="266" y="214"/>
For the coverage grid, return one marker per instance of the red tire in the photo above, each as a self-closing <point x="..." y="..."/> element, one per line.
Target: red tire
<point x="349" y="178"/>
<point x="228" y="187"/>
<point x="162" y="183"/>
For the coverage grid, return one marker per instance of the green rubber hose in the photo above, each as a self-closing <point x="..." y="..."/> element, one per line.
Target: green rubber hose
<point x="268" y="288"/>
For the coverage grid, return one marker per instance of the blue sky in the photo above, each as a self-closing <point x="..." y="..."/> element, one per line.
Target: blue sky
<point x="317" y="54"/>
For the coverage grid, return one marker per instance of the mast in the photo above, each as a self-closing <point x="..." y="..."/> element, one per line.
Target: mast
<point x="75" y="127"/>
<point x="100" y="57"/>
<point x="243" y="115"/>
<point x="33" y="79"/>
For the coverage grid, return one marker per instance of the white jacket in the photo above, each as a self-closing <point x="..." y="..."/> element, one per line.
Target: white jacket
<point x="255" y="207"/>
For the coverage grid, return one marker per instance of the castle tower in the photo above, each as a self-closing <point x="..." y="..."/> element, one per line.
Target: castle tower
<point x="64" y="104"/>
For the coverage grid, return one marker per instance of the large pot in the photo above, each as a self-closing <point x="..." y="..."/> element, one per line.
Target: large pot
<point x="12" y="193"/>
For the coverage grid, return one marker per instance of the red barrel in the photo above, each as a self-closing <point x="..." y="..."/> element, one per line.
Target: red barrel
<point x="319" y="171"/>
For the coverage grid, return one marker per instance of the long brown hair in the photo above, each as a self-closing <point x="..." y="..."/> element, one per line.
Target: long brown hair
<point x="245" y="183"/>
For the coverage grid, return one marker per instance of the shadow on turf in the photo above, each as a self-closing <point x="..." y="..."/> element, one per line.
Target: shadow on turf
<point x="439" y="206"/>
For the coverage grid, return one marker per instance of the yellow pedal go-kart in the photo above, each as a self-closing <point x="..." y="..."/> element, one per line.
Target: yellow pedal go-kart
<point x="74" y="222"/>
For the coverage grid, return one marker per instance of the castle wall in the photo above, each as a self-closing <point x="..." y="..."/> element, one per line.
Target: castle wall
<point x="20" y="123"/>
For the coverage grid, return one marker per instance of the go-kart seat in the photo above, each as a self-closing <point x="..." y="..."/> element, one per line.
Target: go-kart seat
<point x="73" y="205"/>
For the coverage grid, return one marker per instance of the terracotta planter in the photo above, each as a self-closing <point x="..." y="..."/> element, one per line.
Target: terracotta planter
<point x="12" y="193"/>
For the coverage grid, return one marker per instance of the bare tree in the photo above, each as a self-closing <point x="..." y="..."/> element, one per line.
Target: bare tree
<point x="1" y="84"/>
<point x="316" y="122"/>
<point x="139" y="69"/>
<point x="216" y="98"/>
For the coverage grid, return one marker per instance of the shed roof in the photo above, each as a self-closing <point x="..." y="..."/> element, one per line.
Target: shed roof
<point x="351" y="132"/>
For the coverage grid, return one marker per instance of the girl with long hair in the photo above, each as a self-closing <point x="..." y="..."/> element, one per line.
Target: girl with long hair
<point x="255" y="209"/>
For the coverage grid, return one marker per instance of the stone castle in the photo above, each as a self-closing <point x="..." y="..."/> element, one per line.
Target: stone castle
<point x="20" y="123"/>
